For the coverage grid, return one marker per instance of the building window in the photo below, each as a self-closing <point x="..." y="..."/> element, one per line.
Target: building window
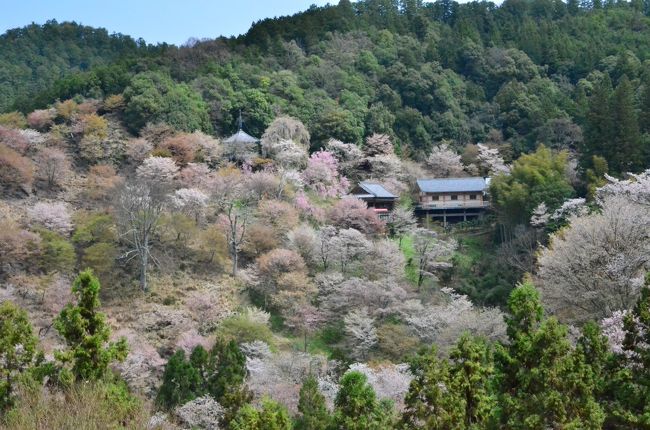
<point x="454" y="197"/>
<point x="435" y="198"/>
<point x="472" y="196"/>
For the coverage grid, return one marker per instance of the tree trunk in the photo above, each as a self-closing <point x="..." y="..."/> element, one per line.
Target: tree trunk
<point x="144" y="261"/>
<point x="234" y="263"/>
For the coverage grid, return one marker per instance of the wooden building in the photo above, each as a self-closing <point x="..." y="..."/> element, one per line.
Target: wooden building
<point x="450" y="200"/>
<point x="376" y="197"/>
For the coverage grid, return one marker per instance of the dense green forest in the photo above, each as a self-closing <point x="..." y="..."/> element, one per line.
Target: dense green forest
<point x="523" y="73"/>
<point x="156" y="274"/>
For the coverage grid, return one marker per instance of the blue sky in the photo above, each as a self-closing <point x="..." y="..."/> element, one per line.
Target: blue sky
<point x="153" y="20"/>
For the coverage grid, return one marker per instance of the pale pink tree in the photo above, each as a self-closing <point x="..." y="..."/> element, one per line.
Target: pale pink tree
<point x="451" y="315"/>
<point x="138" y="149"/>
<point x="322" y="175"/>
<point x="378" y="144"/>
<point x="361" y="331"/>
<point x="52" y="166"/>
<point x="41" y="119"/>
<point x="444" y="162"/>
<point x="351" y="212"/>
<point x="140" y="206"/>
<point x="197" y="175"/>
<point x="53" y="216"/>
<point x="191" y="201"/>
<point x="348" y="155"/>
<point x="390" y="381"/>
<point x="491" y="161"/>
<point x="302" y="239"/>
<point x="157" y="169"/>
<point x="596" y="265"/>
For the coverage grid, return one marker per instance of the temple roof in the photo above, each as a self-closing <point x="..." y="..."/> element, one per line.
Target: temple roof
<point x="241" y="137"/>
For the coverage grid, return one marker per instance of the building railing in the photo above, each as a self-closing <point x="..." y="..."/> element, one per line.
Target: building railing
<point x="454" y="204"/>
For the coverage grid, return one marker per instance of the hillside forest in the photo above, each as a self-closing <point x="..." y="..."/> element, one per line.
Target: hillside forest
<point x="156" y="273"/>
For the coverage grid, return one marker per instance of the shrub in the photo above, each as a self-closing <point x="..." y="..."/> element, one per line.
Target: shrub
<point x="66" y="110"/>
<point x="114" y="102"/>
<point x="13" y="120"/>
<point x="99" y="405"/>
<point x="17" y="246"/>
<point x="244" y="329"/>
<point x="57" y="254"/>
<point x="16" y="171"/>
<point x="102" y="180"/>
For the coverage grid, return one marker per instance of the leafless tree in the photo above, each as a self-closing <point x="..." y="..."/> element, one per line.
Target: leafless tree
<point x="140" y="206"/>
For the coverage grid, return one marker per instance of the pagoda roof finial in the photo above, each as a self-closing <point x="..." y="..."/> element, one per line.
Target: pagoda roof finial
<point x="240" y="122"/>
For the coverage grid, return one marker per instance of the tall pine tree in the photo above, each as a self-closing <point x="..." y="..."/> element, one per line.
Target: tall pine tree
<point x="625" y="148"/>
<point x="599" y="127"/>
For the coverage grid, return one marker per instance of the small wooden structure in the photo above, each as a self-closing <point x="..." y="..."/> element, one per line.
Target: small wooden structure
<point x="452" y="199"/>
<point x="241" y="146"/>
<point x="376" y="197"/>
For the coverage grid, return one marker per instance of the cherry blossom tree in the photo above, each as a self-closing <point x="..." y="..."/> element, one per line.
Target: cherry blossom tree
<point x="431" y="253"/>
<point x="191" y="201"/>
<point x="360" y="328"/>
<point x="444" y="162"/>
<point x="285" y="128"/>
<point x="286" y="140"/>
<point x="349" y="156"/>
<point x="197" y="175"/>
<point x="302" y="239"/>
<point x="138" y="149"/>
<point x="41" y="119"/>
<point x="490" y="160"/>
<point x="378" y="144"/>
<point x="596" y="265"/>
<point x="390" y="381"/>
<point x="443" y="322"/>
<point x="235" y="218"/>
<point x="17" y="246"/>
<point x="322" y="175"/>
<point x="347" y="247"/>
<point x="53" y="216"/>
<point x="636" y="188"/>
<point x="157" y="169"/>
<point x="52" y="166"/>
<point x="401" y="222"/>
<point x="353" y="213"/>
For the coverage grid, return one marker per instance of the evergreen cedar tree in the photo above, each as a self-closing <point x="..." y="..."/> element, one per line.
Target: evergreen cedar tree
<point x="18" y="348"/>
<point x="219" y="373"/>
<point x="86" y="333"/>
